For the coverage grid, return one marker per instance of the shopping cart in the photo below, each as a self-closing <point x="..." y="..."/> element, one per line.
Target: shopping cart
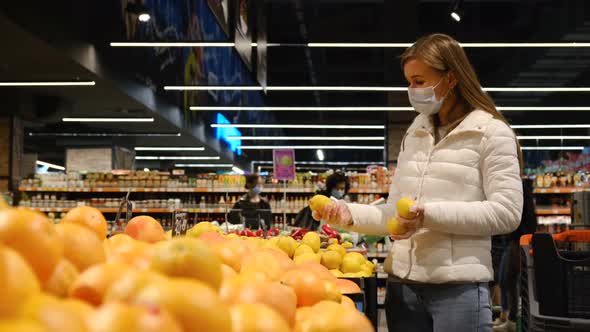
<point x="555" y="281"/>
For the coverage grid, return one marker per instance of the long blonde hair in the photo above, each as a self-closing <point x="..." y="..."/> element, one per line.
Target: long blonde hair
<point x="444" y="53"/>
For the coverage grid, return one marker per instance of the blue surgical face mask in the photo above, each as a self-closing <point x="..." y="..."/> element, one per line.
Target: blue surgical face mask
<point x="424" y="99"/>
<point x="338" y="194"/>
<point x="256" y="190"/>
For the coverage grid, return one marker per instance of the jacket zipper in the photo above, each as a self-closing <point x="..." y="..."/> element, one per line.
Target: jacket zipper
<point x="419" y="198"/>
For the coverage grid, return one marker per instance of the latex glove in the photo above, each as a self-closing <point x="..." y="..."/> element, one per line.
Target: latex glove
<point x="336" y="213"/>
<point x="412" y="225"/>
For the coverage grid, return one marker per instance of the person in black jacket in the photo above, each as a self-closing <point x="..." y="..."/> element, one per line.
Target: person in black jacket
<point x="510" y="262"/>
<point x="252" y="209"/>
<point x="337" y="186"/>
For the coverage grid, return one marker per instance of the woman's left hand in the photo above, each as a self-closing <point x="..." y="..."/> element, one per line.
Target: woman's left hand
<point x="412" y="225"/>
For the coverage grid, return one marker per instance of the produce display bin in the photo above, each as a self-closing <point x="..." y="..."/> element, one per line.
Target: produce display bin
<point x="555" y="282"/>
<point x="366" y="301"/>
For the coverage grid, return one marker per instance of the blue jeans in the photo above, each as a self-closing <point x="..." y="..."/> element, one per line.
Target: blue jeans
<point x="438" y="308"/>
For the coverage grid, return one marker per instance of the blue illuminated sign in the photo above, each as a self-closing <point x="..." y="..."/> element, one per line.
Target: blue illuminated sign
<point x="224" y="133"/>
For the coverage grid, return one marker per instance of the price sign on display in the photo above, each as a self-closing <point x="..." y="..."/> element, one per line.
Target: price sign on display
<point x="284" y="164"/>
<point x="180" y="224"/>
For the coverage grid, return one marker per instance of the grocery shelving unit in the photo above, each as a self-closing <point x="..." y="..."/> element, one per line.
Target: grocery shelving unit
<point x="380" y="276"/>
<point x="554" y="207"/>
<point x="209" y="197"/>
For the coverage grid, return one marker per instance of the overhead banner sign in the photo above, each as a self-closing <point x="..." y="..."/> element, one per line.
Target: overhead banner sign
<point x="261" y="49"/>
<point x="284" y="164"/>
<point x="243" y="33"/>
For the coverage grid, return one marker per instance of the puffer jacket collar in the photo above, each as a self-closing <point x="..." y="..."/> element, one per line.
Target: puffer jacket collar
<point x="477" y="121"/>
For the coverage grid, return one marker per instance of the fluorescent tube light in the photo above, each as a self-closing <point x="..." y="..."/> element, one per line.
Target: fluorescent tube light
<point x="558" y="126"/>
<point x="551" y="148"/>
<point x="310" y="147"/>
<point x="47" y="84"/>
<point x="177" y="157"/>
<point x="172" y="44"/>
<point x="107" y="134"/>
<point x="320" y="154"/>
<point x="553" y="137"/>
<point x="205" y="165"/>
<point x="306" y="138"/>
<point x="296" y="108"/>
<point x="237" y="170"/>
<point x="107" y="119"/>
<point x="297" y="126"/>
<point x="174" y="148"/>
<point x="50" y="165"/>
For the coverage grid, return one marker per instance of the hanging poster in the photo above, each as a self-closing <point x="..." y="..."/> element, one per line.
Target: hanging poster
<point x="220" y="9"/>
<point x="243" y="34"/>
<point x="261" y="41"/>
<point x="284" y="164"/>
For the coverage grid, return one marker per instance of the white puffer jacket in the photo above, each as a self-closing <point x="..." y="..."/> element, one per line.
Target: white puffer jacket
<point x="470" y="186"/>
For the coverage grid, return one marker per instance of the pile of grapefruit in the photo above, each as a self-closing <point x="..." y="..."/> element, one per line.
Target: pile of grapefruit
<point x="71" y="277"/>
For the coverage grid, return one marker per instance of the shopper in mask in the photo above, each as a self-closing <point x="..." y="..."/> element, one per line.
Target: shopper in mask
<point x="459" y="161"/>
<point x="337" y="186"/>
<point x="252" y="209"/>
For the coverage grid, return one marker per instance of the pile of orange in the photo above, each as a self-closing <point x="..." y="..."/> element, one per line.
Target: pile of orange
<point x="71" y="277"/>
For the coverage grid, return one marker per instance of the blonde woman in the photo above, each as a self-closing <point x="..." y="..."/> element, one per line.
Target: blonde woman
<point x="459" y="161"/>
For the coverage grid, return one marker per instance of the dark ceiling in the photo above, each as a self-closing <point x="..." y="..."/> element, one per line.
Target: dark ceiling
<point x="358" y="21"/>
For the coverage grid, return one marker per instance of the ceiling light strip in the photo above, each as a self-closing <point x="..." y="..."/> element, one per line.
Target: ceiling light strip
<point x="106" y="134"/>
<point x="295" y="108"/>
<point x="205" y="165"/>
<point x="50" y="165"/>
<point x="553" y="137"/>
<point x="543" y="108"/>
<point x="551" y="148"/>
<point x="558" y="126"/>
<point x="537" y="89"/>
<point x="360" y="88"/>
<point x="348" y="45"/>
<point x="296" y="126"/>
<point x="310" y="147"/>
<point x="168" y="148"/>
<point x="107" y="119"/>
<point x="177" y="157"/>
<point x="305" y="138"/>
<point x="47" y="84"/>
<point x="173" y="44"/>
<point x="373" y="109"/>
<point x="269" y="162"/>
<point x="466" y="45"/>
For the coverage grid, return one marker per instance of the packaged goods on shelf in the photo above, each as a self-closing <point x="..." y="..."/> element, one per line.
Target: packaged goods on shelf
<point x="381" y="292"/>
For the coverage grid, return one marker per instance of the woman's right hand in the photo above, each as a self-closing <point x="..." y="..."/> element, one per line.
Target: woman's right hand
<point x="336" y="213"/>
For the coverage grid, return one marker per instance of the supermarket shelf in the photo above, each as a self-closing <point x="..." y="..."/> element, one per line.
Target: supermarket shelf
<point x="564" y="190"/>
<point x="547" y="212"/>
<point x="159" y="210"/>
<point x="377" y="255"/>
<point x="189" y="190"/>
<point x="382" y="191"/>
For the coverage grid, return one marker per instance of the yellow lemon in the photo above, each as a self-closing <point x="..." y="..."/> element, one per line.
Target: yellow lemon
<point x="318" y="202"/>
<point x="331" y="259"/>
<point x="312" y="239"/>
<point x="394" y="227"/>
<point x="403" y="208"/>
<point x="337" y="248"/>
<point x="352" y="262"/>
<point x="303" y="249"/>
<point x="287" y="244"/>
